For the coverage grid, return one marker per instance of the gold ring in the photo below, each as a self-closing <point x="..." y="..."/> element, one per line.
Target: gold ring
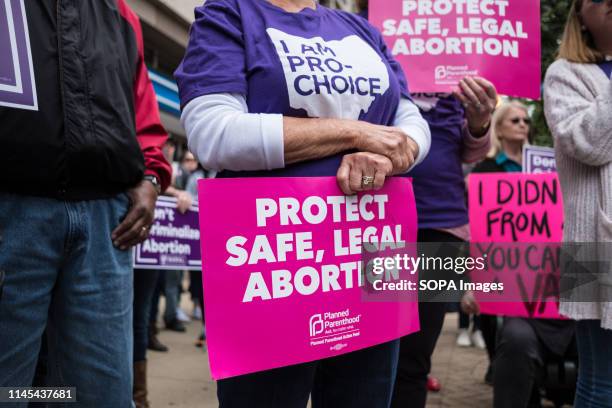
<point x="367" y="180"/>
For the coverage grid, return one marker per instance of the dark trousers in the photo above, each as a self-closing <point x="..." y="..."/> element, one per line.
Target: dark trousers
<point x="361" y="379"/>
<point x="415" y="358"/>
<point x="464" y="320"/>
<point x="154" y="305"/>
<point x="195" y="288"/>
<point x="144" y="286"/>
<point x="488" y="326"/>
<point x="518" y="366"/>
<point x="416" y="349"/>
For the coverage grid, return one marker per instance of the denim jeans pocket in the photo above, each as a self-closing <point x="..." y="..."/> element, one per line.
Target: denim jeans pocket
<point x="121" y="204"/>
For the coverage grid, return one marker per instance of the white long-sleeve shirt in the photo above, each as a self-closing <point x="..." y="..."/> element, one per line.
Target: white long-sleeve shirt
<point x="224" y="136"/>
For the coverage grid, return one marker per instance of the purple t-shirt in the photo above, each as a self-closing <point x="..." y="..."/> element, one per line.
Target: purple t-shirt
<point x="315" y="63"/>
<point x="607" y="68"/>
<point x="439" y="187"/>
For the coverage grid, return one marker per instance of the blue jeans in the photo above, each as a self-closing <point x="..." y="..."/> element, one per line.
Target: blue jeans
<point x="361" y="379"/>
<point x="594" y="389"/>
<point x="63" y="272"/>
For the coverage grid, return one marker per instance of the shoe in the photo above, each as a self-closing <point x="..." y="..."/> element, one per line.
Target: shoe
<point x="463" y="339"/>
<point x="200" y="341"/>
<point x="433" y="384"/>
<point x="154" y="343"/>
<point x="197" y="313"/>
<point x="176" y="325"/>
<point x="139" y="392"/>
<point x="478" y="340"/>
<point x="182" y="316"/>
<point x="488" y="379"/>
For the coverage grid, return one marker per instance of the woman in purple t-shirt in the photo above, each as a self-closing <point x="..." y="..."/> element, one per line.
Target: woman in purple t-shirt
<point x="291" y="88"/>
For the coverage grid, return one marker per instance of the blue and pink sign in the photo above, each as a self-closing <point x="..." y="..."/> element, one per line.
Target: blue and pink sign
<point x="17" y="84"/>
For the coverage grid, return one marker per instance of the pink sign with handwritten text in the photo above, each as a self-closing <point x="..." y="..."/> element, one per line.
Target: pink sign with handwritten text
<point x="516" y="223"/>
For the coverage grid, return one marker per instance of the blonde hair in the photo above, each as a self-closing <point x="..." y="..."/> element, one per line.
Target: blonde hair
<point x="577" y="43"/>
<point x="498" y="117"/>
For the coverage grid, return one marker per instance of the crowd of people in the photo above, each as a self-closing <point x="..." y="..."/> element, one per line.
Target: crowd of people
<point x="100" y="158"/>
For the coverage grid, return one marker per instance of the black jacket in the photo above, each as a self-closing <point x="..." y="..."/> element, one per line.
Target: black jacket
<point x="97" y="128"/>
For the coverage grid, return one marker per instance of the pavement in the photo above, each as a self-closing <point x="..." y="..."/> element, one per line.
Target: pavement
<point x="180" y="378"/>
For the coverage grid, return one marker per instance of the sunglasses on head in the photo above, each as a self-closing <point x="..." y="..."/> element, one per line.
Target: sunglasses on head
<point x="516" y="121"/>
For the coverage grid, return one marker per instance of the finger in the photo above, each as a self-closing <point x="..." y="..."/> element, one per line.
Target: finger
<point x="342" y="177"/>
<point x="478" y="90"/>
<point x="488" y="87"/>
<point x="132" y="216"/>
<point x="365" y="167"/>
<point x="400" y="164"/>
<point x="183" y="206"/>
<point x="142" y="236"/>
<point x="371" y="178"/>
<point x="132" y="233"/>
<point x="462" y="98"/>
<point x="467" y="91"/>
<point x="379" y="180"/>
<point x="412" y="156"/>
<point x="355" y="177"/>
<point x="406" y="151"/>
<point x="397" y="147"/>
<point x="414" y="148"/>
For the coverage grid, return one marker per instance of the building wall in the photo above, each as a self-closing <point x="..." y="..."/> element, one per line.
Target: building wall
<point x="165" y="26"/>
<point x="183" y="8"/>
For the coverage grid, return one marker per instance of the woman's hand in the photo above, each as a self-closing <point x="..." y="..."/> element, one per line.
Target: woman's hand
<point x="469" y="304"/>
<point x="387" y="141"/>
<point x="363" y="171"/>
<point x="479" y="98"/>
<point x="184" y="200"/>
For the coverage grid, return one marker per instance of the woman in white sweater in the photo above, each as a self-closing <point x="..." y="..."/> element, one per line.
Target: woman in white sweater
<point x="578" y="107"/>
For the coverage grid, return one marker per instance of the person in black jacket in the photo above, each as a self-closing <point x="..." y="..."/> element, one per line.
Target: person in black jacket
<point x="87" y="123"/>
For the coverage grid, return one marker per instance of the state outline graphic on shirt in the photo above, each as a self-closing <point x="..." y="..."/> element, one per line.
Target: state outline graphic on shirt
<point x="339" y="78"/>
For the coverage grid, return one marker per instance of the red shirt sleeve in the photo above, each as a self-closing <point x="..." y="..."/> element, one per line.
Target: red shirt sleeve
<point x="150" y="132"/>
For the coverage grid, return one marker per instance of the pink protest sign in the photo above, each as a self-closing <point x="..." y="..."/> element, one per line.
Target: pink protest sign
<point x="438" y="42"/>
<point x="282" y="270"/>
<point x="516" y="223"/>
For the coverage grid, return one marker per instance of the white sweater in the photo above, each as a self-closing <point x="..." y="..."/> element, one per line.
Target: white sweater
<point x="578" y="108"/>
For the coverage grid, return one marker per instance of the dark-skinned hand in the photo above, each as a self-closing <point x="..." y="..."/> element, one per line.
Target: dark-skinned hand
<point x="135" y="227"/>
